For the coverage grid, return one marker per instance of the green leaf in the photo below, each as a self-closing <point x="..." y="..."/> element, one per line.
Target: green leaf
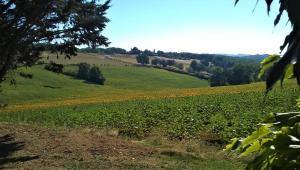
<point x="255" y="147"/>
<point x="233" y="145"/>
<point x="279" y="68"/>
<point x="257" y="135"/>
<point x="267" y="63"/>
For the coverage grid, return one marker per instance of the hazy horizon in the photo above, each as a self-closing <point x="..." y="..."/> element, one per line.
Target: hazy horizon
<point x="197" y="26"/>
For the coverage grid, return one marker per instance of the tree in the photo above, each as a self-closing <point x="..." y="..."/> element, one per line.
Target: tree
<point x="135" y="51"/>
<point x="196" y="66"/>
<point x="148" y="52"/>
<point x="84" y="71"/>
<point x="155" y="61"/>
<point x="160" y="53"/>
<point x="54" y="67"/>
<point x="27" y="28"/>
<point x="241" y="74"/>
<point x="171" y="62"/>
<point x="179" y="66"/>
<point x="96" y="76"/>
<point x="193" y="65"/>
<point x="218" y="78"/>
<point x="142" y="59"/>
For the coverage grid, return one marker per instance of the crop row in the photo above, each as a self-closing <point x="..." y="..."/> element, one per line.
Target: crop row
<point x="213" y="117"/>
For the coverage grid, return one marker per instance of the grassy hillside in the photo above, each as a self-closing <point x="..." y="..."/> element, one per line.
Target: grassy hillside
<point x="140" y="78"/>
<point x="87" y="58"/>
<point x="121" y="80"/>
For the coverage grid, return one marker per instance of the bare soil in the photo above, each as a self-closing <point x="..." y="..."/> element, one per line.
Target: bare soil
<point x="30" y="147"/>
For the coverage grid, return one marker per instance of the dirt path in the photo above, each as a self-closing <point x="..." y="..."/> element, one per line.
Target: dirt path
<point x="27" y="147"/>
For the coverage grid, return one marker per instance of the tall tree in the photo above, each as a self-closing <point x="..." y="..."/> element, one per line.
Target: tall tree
<point x="218" y="78"/>
<point x="27" y="28"/>
<point x="135" y="51"/>
<point x="143" y="59"/>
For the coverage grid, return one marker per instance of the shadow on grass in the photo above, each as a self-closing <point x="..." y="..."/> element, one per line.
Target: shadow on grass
<point x="8" y="146"/>
<point x="51" y="87"/>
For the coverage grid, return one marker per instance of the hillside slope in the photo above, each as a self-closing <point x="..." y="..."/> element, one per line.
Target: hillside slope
<point x="46" y="85"/>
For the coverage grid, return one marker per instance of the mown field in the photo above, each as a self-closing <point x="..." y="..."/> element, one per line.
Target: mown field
<point x="151" y="107"/>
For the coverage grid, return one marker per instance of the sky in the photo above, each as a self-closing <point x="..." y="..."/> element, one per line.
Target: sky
<point x="198" y="26"/>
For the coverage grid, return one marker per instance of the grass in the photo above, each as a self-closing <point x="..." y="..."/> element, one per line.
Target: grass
<point x="140" y="78"/>
<point x="87" y="58"/>
<point x="121" y="81"/>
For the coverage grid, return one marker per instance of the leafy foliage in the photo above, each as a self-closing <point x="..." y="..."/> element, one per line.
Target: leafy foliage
<point x="276" y="143"/>
<point x="292" y="42"/>
<point x="135" y="51"/>
<point x="218" y="78"/>
<point x="54" y="67"/>
<point x="96" y="76"/>
<point x="90" y="74"/>
<point x="143" y="59"/>
<point x="108" y="51"/>
<point x="267" y="63"/>
<point x="29" y="27"/>
<point x="83" y="71"/>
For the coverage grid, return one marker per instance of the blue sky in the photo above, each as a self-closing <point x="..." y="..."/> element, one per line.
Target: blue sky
<point x="200" y="26"/>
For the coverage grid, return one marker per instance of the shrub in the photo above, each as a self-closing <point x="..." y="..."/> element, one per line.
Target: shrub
<point x="96" y="76"/>
<point x="90" y="74"/>
<point x="142" y="59"/>
<point x="84" y="71"/>
<point x="56" y="68"/>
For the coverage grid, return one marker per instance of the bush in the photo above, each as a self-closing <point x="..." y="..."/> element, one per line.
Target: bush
<point x="90" y="74"/>
<point x="84" y="71"/>
<point x="96" y="76"/>
<point x="142" y="59"/>
<point x="56" y="68"/>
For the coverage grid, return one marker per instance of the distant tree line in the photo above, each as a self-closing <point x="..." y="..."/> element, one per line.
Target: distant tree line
<point x="108" y="51"/>
<point x="143" y="58"/>
<point x="234" y="74"/>
<point x="238" y="74"/>
<point x="166" y="63"/>
<point x="219" y="69"/>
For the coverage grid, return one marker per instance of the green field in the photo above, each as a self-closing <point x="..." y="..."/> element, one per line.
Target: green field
<point x="139" y="103"/>
<point x="46" y="85"/>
